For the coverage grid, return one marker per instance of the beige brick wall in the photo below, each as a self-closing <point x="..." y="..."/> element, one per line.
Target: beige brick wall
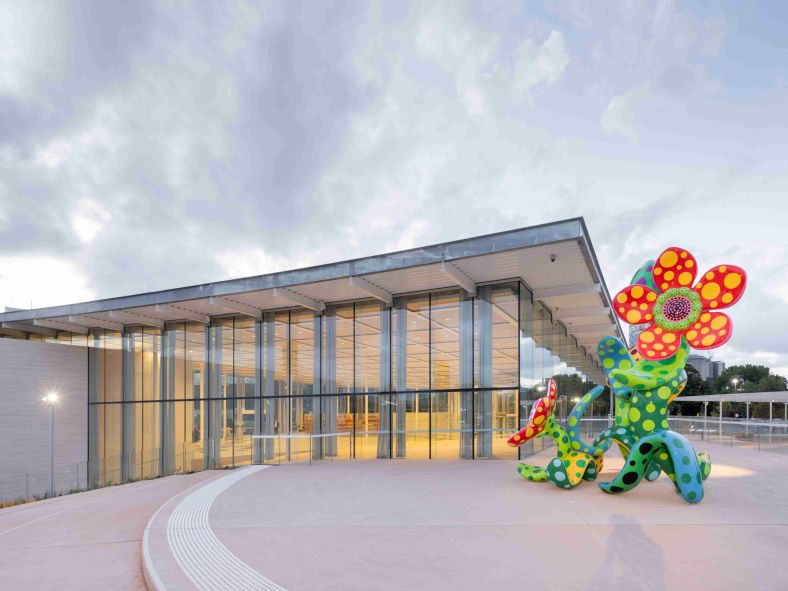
<point x="28" y="370"/>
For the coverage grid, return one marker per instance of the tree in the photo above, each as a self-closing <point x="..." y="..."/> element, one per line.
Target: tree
<point x="696" y="386"/>
<point x="748" y="377"/>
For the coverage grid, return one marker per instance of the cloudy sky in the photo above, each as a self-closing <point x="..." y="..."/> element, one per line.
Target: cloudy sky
<point x="152" y="146"/>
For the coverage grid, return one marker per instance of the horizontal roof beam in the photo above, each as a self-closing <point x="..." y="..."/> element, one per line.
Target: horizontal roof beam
<point x="27" y="327"/>
<point x="91" y="322"/>
<point x="299" y="299"/>
<point x="459" y="277"/>
<point x="566" y="290"/>
<point x="564" y="313"/>
<point x="182" y="313"/>
<point x="65" y="326"/>
<point x="372" y="290"/>
<point x="236" y="306"/>
<point x="125" y="317"/>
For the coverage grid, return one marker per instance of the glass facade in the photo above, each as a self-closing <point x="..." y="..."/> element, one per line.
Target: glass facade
<point x="435" y="376"/>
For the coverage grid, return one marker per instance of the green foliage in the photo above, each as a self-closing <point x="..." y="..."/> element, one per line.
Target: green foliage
<point x="696" y="386"/>
<point x="751" y="378"/>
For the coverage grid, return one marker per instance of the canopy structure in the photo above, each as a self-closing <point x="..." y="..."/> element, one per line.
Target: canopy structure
<point x="556" y="261"/>
<point x="781" y="397"/>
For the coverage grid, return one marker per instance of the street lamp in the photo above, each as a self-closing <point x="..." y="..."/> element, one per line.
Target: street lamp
<point x="735" y="382"/>
<point x="51" y="400"/>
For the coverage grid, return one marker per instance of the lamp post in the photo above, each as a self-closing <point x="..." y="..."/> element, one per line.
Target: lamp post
<point x="735" y="382"/>
<point x="51" y="400"/>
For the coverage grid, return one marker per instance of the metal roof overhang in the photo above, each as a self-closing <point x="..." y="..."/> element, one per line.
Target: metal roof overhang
<point x="556" y="261"/>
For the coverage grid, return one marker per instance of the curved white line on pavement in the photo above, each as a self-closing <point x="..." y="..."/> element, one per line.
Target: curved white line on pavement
<point x="197" y="550"/>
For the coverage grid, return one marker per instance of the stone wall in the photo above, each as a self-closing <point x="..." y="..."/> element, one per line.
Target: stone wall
<point x="28" y="370"/>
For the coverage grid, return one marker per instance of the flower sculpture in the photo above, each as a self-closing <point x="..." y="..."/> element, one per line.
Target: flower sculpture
<point x="577" y="460"/>
<point x="675" y="308"/>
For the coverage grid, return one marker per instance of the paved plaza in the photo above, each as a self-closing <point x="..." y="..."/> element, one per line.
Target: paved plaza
<point x="406" y="525"/>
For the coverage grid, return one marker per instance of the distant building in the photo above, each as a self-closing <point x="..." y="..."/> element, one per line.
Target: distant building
<point x="709" y="370"/>
<point x="716" y="369"/>
<point x="634" y="331"/>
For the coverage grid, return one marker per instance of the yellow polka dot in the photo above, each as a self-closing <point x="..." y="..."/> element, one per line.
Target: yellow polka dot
<point x="644" y="306"/>
<point x="658" y="271"/>
<point x="539" y="420"/>
<point x="685" y="278"/>
<point x="648" y="425"/>
<point x="636" y="292"/>
<point x="664" y="285"/>
<point x="710" y="275"/>
<point x="723" y="332"/>
<point x="704" y="330"/>
<point x="529" y="432"/>
<point x="732" y="280"/>
<point x="648" y="316"/>
<point x="621" y="309"/>
<point x="727" y="298"/>
<point x="647" y="337"/>
<point x="719" y="322"/>
<point x="672" y="348"/>
<point x="684" y="254"/>
<point x="651" y="353"/>
<point x="708" y="340"/>
<point x="723" y="268"/>
<point x="516" y="438"/>
<point x="689" y="264"/>
<point x="705" y="317"/>
<point x="670" y="275"/>
<point x="651" y="296"/>
<point x="634" y="415"/>
<point x="621" y="298"/>
<point x="669" y="338"/>
<point x="714" y="304"/>
<point x="659" y="346"/>
<point x="668" y="258"/>
<point x="633" y="316"/>
<point x="691" y="335"/>
<point x="658" y="330"/>
<point x="710" y="291"/>
<point x="663" y="392"/>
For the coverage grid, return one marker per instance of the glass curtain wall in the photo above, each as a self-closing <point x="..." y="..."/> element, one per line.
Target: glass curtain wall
<point x="439" y="375"/>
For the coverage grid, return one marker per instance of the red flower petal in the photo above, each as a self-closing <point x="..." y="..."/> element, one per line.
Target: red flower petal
<point x="635" y="304"/>
<point x="658" y="343"/>
<point x="712" y="329"/>
<point x="537" y="421"/>
<point x="675" y="267"/>
<point x="721" y="286"/>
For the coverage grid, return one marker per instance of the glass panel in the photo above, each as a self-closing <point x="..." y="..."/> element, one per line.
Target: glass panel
<point x="411" y="425"/>
<point x="112" y="449"/>
<point x="491" y="436"/>
<point x="194" y="415"/>
<point x="112" y="343"/>
<point x="367" y="347"/>
<point x="446" y="425"/>
<point x="505" y="327"/>
<point x="445" y="341"/>
<point x="368" y="425"/>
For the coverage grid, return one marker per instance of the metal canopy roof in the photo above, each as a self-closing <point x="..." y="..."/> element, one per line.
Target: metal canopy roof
<point x="781" y="397"/>
<point x="556" y="261"/>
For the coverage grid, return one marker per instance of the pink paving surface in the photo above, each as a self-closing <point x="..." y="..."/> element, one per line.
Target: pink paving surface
<point x="83" y="541"/>
<point x="478" y="525"/>
<point x="425" y="525"/>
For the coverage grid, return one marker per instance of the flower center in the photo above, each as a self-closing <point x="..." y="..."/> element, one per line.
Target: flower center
<point x="677" y="309"/>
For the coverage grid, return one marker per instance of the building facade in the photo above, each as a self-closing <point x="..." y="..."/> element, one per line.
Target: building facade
<point x="434" y="353"/>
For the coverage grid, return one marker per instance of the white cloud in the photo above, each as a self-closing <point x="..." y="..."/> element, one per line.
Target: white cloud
<point x="618" y="118"/>
<point x="540" y="64"/>
<point x="89" y="220"/>
<point x="42" y="280"/>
